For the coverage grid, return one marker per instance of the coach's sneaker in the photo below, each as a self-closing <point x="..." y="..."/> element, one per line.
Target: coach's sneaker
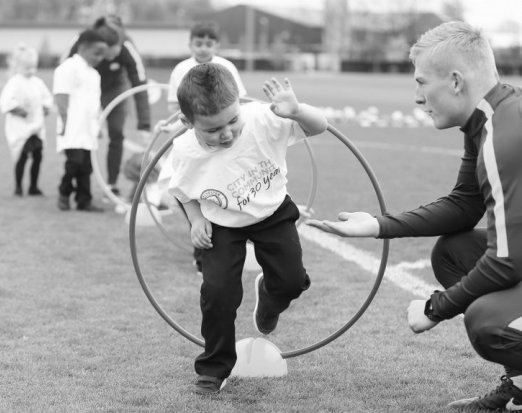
<point x="264" y="322"/>
<point x="209" y="385"/>
<point x="506" y="395"/>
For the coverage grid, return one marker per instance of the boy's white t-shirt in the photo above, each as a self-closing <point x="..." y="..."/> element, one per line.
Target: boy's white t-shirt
<point x="31" y="94"/>
<point x="76" y="78"/>
<point x="240" y="185"/>
<point x="184" y="66"/>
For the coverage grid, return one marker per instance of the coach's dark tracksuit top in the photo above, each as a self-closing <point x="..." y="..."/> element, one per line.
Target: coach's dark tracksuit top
<point x="489" y="181"/>
<point x="116" y="75"/>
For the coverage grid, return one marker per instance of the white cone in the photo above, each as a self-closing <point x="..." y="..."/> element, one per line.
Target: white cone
<point x="143" y="216"/>
<point x="258" y="357"/>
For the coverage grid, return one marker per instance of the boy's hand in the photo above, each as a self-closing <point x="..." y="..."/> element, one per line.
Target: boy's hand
<point x="201" y="233"/>
<point x="284" y="102"/>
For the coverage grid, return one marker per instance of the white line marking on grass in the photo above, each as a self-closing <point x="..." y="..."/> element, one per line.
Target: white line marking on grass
<point x="397" y="274"/>
<point x="397" y="147"/>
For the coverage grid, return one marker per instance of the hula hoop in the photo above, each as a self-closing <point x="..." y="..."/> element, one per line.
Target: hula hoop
<point x="103" y="116"/>
<point x="294" y="353"/>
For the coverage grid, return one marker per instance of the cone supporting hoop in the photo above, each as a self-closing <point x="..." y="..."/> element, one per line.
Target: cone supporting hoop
<point x="258" y="357"/>
<point x="287" y="354"/>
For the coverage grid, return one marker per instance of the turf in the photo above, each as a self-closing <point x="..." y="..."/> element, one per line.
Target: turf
<point x="79" y="335"/>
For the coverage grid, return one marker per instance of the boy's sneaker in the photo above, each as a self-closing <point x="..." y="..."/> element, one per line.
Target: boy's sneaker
<point x="505" y="396"/>
<point x="263" y="322"/>
<point x="89" y="208"/>
<point x="209" y="385"/>
<point x="63" y="203"/>
<point x="18" y="191"/>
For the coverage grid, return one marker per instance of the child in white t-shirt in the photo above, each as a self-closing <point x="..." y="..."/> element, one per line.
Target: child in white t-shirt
<point x="229" y="171"/>
<point x="76" y="88"/>
<point x="203" y="44"/>
<point x="25" y="101"/>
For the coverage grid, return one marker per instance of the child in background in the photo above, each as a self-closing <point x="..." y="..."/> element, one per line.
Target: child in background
<point x="77" y="90"/>
<point x="25" y="101"/>
<point x="203" y="44"/>
<point x="229" y="171"/>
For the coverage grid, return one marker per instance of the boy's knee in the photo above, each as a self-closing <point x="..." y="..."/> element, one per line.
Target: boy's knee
<point x="294" y="285"/>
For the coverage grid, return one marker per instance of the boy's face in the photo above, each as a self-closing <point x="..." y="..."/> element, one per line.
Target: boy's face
<point x="203" y="48"/>
<point x="219" y="131"/>
<point x="94" y="53"/>
<point x="27" y="68"/>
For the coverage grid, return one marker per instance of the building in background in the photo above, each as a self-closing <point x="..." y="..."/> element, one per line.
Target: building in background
<point x="348" y="35"/>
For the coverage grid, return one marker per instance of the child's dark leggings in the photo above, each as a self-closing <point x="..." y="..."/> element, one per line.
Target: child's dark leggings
<point x="278" y="251"/>
<point x="77" y="168"/>
<point x="489" y="317"/>
<point x="33" y="146"/>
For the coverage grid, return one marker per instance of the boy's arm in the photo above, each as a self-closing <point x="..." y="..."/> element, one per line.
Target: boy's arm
<point x="285" y="105"/>
<point x="201" y="228"/>
<point x="62" y="104"/>
<point x="311" y="119"/>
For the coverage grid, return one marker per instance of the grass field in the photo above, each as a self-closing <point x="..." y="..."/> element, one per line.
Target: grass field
<point x="77" y="334"/>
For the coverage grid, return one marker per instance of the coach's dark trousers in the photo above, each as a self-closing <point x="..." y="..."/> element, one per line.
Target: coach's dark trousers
<point x="115" y="124"/>
<point x="278" y="251"/>
<point x="487" y="319"/>
<point x="77" y="168"/>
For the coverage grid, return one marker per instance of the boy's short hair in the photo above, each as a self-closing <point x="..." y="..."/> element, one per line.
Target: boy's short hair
<point x="208" y="29"/>
<point x="89" y="36"/>
<point x="206" y="90"/>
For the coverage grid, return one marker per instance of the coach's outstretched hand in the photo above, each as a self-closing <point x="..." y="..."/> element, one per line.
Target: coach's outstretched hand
<point x="350" y="224"/>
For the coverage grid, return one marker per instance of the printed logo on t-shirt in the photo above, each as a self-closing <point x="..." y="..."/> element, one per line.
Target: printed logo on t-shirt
<point x="215" y="196"/>
<point x="114" y="66"/>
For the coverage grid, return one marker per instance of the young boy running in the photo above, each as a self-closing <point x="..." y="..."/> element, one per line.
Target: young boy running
<point x="230" y="174"/>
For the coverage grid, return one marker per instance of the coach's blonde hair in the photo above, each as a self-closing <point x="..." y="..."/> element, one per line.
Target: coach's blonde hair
<point x="455" y="40"/>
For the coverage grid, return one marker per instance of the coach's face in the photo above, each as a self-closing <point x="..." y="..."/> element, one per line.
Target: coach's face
<point x="438" y="92"/>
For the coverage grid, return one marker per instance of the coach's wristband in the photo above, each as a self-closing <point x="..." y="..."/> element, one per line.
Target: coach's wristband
<point x="428" y="312"/>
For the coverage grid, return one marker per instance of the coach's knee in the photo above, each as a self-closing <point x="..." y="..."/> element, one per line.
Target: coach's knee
<point x="442" y="260"/>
